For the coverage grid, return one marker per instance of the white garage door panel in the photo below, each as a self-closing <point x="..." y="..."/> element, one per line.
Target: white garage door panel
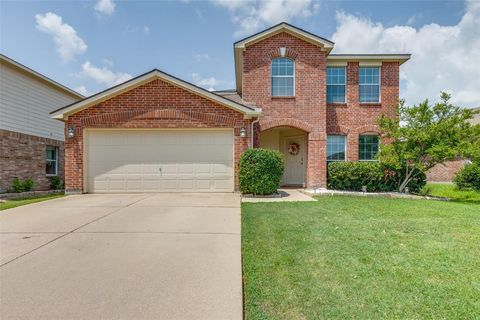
<point x="130" y="161"/>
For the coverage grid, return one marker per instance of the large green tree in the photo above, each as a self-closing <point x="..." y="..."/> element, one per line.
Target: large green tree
<point x="424" y="135"/>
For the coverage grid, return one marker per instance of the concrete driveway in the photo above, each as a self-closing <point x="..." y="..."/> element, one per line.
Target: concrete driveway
<point x="135" y="256"/>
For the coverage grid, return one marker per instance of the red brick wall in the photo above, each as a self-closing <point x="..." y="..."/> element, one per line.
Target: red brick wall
<point x="445" y="172"/>
<point x="354" y="118"/>
<point x="24" y="156"/>
<point x="156" y="104"/>
<point x="307" y="110"/>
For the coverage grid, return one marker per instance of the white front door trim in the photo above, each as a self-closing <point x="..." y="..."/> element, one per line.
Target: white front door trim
<point x="292" y="164"/>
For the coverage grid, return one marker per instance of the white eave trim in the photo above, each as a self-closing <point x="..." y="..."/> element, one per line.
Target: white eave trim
<point x="155" y="74"/>
<point x="368" y="58"/>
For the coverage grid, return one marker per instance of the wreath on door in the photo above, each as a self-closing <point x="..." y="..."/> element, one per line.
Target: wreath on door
<point x="294" y="149"/>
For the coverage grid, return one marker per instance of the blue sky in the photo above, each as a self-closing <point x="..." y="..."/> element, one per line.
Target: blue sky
<point x="91" y="45"/>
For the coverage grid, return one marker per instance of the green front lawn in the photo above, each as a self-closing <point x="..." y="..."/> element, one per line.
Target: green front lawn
<point x="448" y="190"/>
<point x="361" y="258"/>
<point x="21" y="202"/>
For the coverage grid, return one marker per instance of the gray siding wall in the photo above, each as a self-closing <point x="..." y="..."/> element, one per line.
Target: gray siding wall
<point x="25" y="104"/>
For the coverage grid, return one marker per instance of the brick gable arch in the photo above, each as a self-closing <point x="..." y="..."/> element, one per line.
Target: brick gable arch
<point x="368" y="129"/>
<point x="289" y="53"/>
<point x="338" y="129"/>
<point x="158" y="114"/>
<point x="285" y="122"/>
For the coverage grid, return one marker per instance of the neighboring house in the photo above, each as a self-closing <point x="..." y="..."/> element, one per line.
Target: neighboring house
<point x="159" y="133"/>
<point x="445" y="172"/>
<point x="31" y="142"/>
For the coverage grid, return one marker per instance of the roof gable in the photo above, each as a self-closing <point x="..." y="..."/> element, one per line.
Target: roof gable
<point x="288" y="28"/>
<point x="73" y="108"/>
<point x="240" y="46"/>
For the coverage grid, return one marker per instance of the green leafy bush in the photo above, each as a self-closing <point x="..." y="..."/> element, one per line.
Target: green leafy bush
<point x="376" y="176"/>
<point x="260" y="171"/>
<point x="56" y="183"/>
<point x="19" y="185"/>
<point x="468" y="177"/>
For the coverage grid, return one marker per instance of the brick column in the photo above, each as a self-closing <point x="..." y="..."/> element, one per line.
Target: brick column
<point x="74" y="159"/>
<point x="316" y="163"/>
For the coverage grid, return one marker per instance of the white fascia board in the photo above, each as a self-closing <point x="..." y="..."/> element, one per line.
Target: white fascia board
<point x="379" y="58"/>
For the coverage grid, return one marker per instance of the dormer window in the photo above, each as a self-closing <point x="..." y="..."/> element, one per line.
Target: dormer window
<point x="283" y="77"/>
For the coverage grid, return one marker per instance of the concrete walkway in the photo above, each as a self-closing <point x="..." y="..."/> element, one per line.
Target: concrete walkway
<point x="144" y="256"/>
<point x="285" y="195"/>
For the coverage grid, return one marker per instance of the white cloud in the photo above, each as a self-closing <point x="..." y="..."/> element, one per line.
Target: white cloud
<point x="104" y="75"/>
<point x="202" y="57"/>
<point x="207" y="83"/>
<point x="67" y="41"/>
<point x="146" y="29"/>
<point x="105" y="6"/>
<point x="82" y="90"/>
<point x="443" y="57"/>
<point x="251" y="16"/>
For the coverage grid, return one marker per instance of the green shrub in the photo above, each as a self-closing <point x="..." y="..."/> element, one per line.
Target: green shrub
<point x="468" y="177"/>
<point x="19" y="185"/>
<point x="377" y="177"/>
<point x="260" y="171"/>
<point x="56" y="183"/>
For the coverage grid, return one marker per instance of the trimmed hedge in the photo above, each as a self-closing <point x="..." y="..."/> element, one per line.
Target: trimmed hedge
<point x="468" y="177"/>
<point x="376" y="176"/>
<point x="260" y="171"/>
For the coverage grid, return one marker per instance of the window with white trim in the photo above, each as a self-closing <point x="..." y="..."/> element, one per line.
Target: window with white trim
<point x="336" y="147"/>
<point x="336" y="84"/>
<point x="51" y="168"/>
<point x="368" y="146"/>
<point x="369" y="84"/>
<point x="283" y="77"/>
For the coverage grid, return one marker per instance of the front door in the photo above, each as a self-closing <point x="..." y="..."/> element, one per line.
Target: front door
<point x="295" y="161"/>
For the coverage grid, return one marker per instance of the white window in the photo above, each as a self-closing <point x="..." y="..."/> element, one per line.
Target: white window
<point x="336" y="147"/>
<point x="51" y="167"/>
<point x="368" y="146"/>
<point x="283" y="77"/>
<point x="369" y="84"/>
<point x="336" y="83"/>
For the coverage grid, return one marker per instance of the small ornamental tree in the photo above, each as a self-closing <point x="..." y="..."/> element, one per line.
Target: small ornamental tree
<point x="425" y="135"/>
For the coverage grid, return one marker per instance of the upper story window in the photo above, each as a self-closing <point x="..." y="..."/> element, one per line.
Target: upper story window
<point x="336" y="83"/>
<point x="369" y="80"/>
<point x="336" y="146"/>
<point x="51" y="168"/>
<point x="367" y="147"/>
<point x="283" y="77"/>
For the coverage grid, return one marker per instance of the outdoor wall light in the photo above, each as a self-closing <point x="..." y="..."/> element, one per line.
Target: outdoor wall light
<point x="243" y="132"/>
<point x="71" y="132"/>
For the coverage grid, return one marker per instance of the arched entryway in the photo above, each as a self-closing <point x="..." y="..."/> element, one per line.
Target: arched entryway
<point x="293" y="144"/>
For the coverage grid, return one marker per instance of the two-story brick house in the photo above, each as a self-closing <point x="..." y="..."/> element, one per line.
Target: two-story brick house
<point x="160" y="133"/>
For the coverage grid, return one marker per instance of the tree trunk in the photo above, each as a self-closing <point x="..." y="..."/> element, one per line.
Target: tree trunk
<point x="407" y="179"/>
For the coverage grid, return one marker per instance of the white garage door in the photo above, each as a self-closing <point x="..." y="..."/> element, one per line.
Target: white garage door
<point x="159" y="160"/>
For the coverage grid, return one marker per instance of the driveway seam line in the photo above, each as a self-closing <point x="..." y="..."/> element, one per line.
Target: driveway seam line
<point x="72" y="231"/>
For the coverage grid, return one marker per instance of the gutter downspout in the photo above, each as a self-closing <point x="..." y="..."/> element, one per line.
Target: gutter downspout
<point x="251" y="131"/>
